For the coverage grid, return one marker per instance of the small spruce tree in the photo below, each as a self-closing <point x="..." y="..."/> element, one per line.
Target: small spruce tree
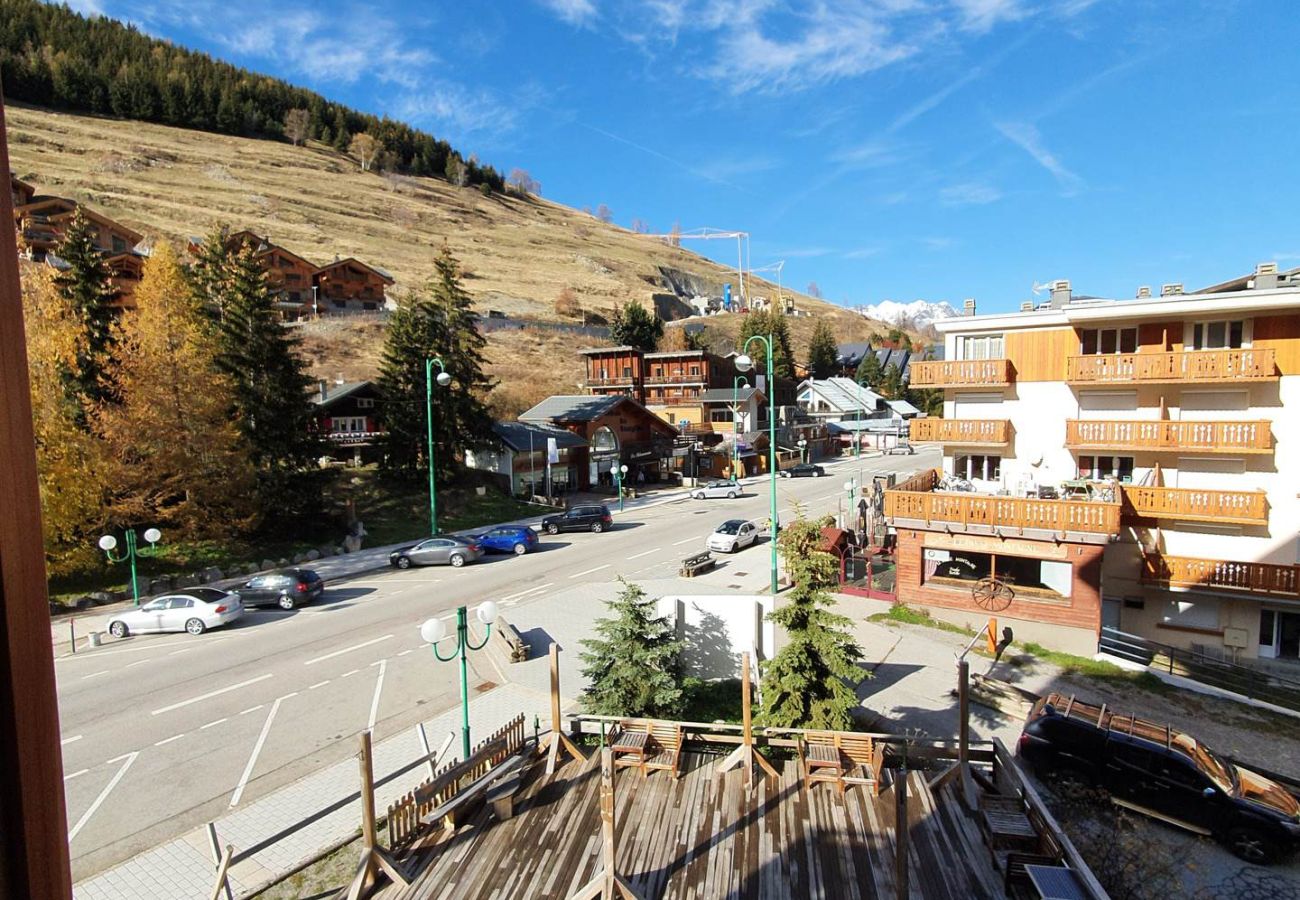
<point x="809" y="683"/>
<point x="632" y="663"/>
<point x="634" y="326"/>
<point x="891" y="383"/>
<point x="823" y="352"/>
<point x="869" y="372"/>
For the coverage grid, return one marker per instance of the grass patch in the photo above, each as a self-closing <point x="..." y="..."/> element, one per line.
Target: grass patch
<point x="906" y="615"/>
<point x="711" y="701"/>
<point x="1095" y="669"/>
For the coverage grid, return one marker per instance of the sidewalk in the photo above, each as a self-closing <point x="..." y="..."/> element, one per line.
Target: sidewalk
<point x="182" y="868"/>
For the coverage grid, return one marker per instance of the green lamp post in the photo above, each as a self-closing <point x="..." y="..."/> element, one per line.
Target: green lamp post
<point x="433" y="631"/>
<point x="108" y="544"/>
<point x="443" y="380"/>
<point x="735" y="424"/>
<point x="744" y="363"/>
<point x="619" y="473"/>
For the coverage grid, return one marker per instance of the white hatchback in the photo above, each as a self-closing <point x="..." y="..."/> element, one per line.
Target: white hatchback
<point x="732" y="535"/>
<point x="194" y="610"/>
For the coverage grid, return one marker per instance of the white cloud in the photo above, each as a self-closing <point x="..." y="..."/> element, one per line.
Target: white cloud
<point x="456" y="109"/>
<point x="864" y="252"/>
<point x="982" y="15"/>
<point x="87" y="7"/>
<point x="804" y="252"/>
<point x="724" y="168"/>
<point x="971" y="193"/>
<point x="1026" y="136"/>
<point x="575" y="12"/>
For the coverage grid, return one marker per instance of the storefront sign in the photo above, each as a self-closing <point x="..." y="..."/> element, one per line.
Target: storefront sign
<point x="1033" y="549"/>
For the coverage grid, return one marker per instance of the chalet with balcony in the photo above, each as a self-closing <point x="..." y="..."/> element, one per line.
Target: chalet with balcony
<point x="21" y="192"/>
<point x="349" y="285"/>
<point x="124" y="273"/>
<point x="347" y="417"/>
<point x="615" y="371"/>
<point x="1118" y="464"/>
<point x="616" y="431"/>
<point x="42" y="222"/>
<point x="290" y="275"/>
<point x="529" y="459"/>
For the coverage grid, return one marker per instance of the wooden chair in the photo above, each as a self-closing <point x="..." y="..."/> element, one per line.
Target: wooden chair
<point x="842" y="758"/>
<point x="647" y="744"/>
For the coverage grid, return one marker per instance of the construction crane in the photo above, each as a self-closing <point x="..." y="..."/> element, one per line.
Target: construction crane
<point x="773" y="267"/>
<point x="713" y="234"/>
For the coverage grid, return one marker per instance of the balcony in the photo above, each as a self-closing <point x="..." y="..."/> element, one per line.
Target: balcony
<point x="1201" y="437"/>
<point x="1267" y="579"/>
<point x="1195" y="505"/>
<point x="918" y="500"/>
<point x="616" y="381"/>
<point x="1191" y="367"/>
<point x="943" y="373"/>
<point x="675" y="379"/>
<point x="960" y="431"/>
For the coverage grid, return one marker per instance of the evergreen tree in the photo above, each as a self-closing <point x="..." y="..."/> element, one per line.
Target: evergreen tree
<point x="768" y="322"/>
<point x="633" y="326"/>
<point x="632" y="662"/>
<point x="84" y="284"/>
<point x="823" y="352"/>
<point x="809" y="683"/>
<point x="891" y="382"/>
<point x="869" y="372"/>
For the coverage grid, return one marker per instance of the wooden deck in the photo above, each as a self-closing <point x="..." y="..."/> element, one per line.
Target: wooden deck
<point x="701" y="836"/>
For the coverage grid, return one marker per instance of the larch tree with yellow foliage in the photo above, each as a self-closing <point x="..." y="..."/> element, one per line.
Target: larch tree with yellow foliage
<point x="177" y="459"/>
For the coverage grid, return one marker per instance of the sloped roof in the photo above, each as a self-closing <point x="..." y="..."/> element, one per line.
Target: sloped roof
<point x="571" y="408"/>
<point x="851" y="354"/>
<point x="336" y="392"/>
<point x="515" y="435"/>
<point x="352" y="260"/>
<point x="903" y="408"/>
<point x="845" y="394"/>
<point x="621" y="348"/>
<point x="724" y="395"/>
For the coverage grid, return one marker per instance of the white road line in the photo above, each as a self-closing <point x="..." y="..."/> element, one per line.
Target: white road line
<point x="138" y="662"/>
<point x="174" y="737"/>
<point x="211" y="694"/>
<point x="319" y="684"/>
<point x="103" y="795"/>
<point x="589" y="571"/>
<point x="251" y="709"/>
<point x="404" y="652"/>
<point x="257" y="748"/>
<point x="215" y="723"/>
<point x="312" y="662"/>
<point x="182" y="650"/>
<point x="66" y="741"/>
<point x="688" y="540"/>
<point x="346" y="674"/>
<point x="95" y="674"/>
<point x="646" y="553"/>
<point x="75" y="774"/>
<point x="379" y="687"/>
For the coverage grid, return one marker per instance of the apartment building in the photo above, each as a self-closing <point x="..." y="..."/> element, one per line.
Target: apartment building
<point x="1128" y="464"/>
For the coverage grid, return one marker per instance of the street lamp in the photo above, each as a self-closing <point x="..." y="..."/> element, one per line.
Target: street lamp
<point x="433" y="631"/>
<point x="108" y="544"/>
<point x="735" y="424"/>
<point x="744" y="363"/>
<point x="857" y="432"/>
<point x="618" y="476"/>
<point x="803" y="450"/>
<point x="443" y="380"/>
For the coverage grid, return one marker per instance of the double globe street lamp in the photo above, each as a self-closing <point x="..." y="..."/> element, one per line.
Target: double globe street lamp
<point x="735" y="424"/>
<point x="435" y="630"/>
<point x="443" y="380"/>
<point x="108" y="544"/>
<point x="744" y="363"/>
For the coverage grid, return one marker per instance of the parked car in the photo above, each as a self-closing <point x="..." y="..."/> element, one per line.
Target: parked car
<point x="286" y="589"/>
<point x="728" y="489"/>
<point x="732" y="535"/>
<point x="803" y="470"/>
<point x="447" y="550"/>
<point x="580" y="518"/>
<point x="1163" y="773"/>
<point x="195" y="610"/>
<point x="516" y="539"/>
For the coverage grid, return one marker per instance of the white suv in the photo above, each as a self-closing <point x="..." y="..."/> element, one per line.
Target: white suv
<point x="732" y="535"/>
<point x="728" y="489"/>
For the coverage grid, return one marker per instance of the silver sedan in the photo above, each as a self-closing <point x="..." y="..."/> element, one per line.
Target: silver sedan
<point x="194" y="610"/>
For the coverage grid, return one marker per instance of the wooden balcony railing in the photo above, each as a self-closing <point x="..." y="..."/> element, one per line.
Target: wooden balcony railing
<point x="960" y="431"/>
<point x="616" y="381"/>
<point x="1166" y="368"/>
<point x="1221" y="574"/>
<point x="917" y="500"/>
<point x="675" y="379"/>
<point x="1193" y="504"/>
<point x="939" y="373"/>
<point x="1203" y="437"/>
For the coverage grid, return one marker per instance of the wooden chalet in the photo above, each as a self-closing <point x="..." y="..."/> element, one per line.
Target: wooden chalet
<point x="290" y="275"/>
<point x="346" y="415"/>
<point x="124" y="273"/>
<point x="350" y="285"/>
<point x="42" y="223"/>
<point x="22" y="192"/>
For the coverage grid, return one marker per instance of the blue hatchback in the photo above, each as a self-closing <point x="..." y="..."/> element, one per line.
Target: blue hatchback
<point x="508" y="539"/>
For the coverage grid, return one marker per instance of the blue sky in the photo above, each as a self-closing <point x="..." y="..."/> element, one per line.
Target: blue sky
<point x="886" y="149"/>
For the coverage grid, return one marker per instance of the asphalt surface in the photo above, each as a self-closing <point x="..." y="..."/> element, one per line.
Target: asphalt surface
<point x="162" y="733"/>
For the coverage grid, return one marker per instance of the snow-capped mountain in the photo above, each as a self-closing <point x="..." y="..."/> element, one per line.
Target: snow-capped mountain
<point x="918" y="313"/>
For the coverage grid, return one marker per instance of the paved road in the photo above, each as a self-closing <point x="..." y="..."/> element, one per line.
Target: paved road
<point x="164" y="732"/>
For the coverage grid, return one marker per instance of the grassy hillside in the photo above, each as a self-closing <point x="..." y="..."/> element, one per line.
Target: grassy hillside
<point x="518" y="253"/>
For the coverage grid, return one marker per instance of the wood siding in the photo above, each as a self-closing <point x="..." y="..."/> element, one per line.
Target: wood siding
<point x="1203" y="437"/>
<point x="960" y="431"/>
<point x="1193" y="504"/>
<point x="1281" y="335"/>
<point x="1039" y="354"/>
<point x="1197" y="366"/>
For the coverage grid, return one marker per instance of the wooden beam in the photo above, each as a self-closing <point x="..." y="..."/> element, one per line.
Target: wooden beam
<point x="33" y="819"/>
<point x="745" y="754"/>
<point x="607" y="883"/>
<point x="557" y="741"/>
<point x="373" y="856"/>
<point x="901" y="834"/>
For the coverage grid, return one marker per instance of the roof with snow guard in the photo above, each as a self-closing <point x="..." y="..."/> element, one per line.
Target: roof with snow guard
<point x="843" y="394"/>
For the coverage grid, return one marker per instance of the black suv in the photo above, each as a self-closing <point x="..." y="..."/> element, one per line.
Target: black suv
<point x="803" y="470"/>
<point x="580" y="518"/>
<point x="1158" y="771"/>
<point x="286" y="589"/>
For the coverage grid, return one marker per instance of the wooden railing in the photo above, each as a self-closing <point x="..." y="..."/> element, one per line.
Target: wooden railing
<point x="1190" y="366"/>
<point x="1204" y="437"/>
<point x="1221" y="574"/>
<point x="675" y="379"/>
<point x="1193" y="504"/>
<point x="608" y="382"/>
<point x="960" y="431"/>
<point x="912" y="500"/>
<point x="937" y="373"/>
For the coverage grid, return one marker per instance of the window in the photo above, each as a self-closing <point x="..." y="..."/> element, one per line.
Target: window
<point x="1098" y="468"/>
<point x="181" y="603"/>
<point x="1219" y="335"/>
<point x="978" y="465"/>
<point x="119" y="245"/>
<point x="365" y="402"/>
<point x="1108" y="340"/>
<point x="627" y="371"/>
<point x="695" y="370"/>
<point x="988" y="346"/>
<point x="1020" y="572"/>
<point x="1203" y="614"/>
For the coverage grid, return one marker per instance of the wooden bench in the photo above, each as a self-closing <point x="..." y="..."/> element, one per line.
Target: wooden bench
<point x="515" y="645"/>
<point x="1006" y="824"/>
<point x="462" y="805"/>
<point x="694" y="565"/>
<point x="501" y="795"/>
<point x="647" y="744"/>
<point x="842" y="758"/>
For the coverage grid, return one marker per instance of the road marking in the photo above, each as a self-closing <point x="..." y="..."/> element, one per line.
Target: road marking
<point x="212" y="724"/>
<point x="346" y="674"/>
<point x="319" y="684"/>
<point x="67" y="741"/>
<point x="257" y="749"/>
<point x="103" y="795"/>
<point x="589" y="571"/>
<point x="404" y="652"/>
<point x="182" y="650"/>
<point x="312" y="662"/>
<point x="688" y="540"/>
<point x="75" y="774"/>
<point x="211" y="694"/>
<point x="95" y="674"/>
<point x="646" y="553"/>
<point x="535" y="590"/>
<point x="174" y="737"/>
<point x="379" y="686"/>
<point x="251" y="709"/>
<point x="138" y="662"/>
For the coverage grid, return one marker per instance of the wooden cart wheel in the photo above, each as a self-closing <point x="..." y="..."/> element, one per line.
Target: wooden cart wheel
<point x="991" y="594"/>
